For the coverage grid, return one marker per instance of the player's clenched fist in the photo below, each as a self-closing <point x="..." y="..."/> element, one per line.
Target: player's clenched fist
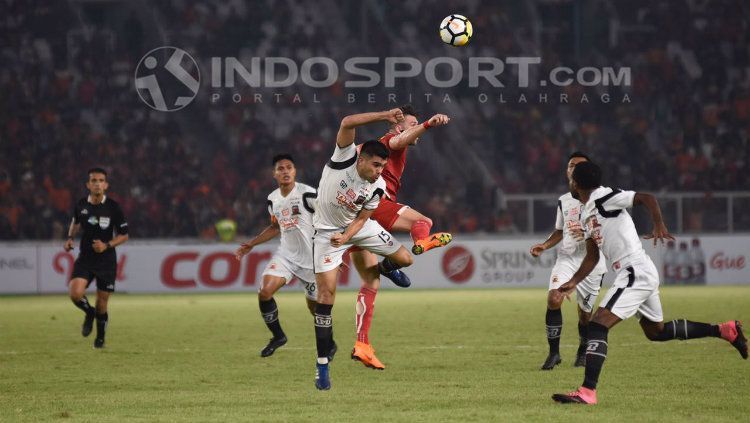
<point x="394" y="115"/>
<point x="439" y="120"/>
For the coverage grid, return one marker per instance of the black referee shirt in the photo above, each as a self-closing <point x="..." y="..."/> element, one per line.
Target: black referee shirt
<point x="99" y="221"/>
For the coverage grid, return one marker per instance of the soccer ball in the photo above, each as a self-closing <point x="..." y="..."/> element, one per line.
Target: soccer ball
<point x="456" y="30"/>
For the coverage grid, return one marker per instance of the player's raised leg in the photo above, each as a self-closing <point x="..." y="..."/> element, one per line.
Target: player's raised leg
<point x="366" y="264"/>
<point x="390" y="267"/>
<point x="683" y="329"/>
<point x="419" y="226"/>
<point x="77" y="289"/>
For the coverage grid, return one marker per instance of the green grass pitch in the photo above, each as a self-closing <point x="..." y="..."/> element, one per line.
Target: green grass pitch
<point x="450" y="356"/>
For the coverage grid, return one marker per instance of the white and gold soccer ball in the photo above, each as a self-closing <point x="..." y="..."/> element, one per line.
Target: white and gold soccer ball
<point x="456" y="30"/>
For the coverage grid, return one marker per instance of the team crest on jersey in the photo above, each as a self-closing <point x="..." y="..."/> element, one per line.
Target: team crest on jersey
<point x="93" y="220"/>
<point x="104" y="222"/>
<point x="555" y="279"/>
<point x="327" y="259"/>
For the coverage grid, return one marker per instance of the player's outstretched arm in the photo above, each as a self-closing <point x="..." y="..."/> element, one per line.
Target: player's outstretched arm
<point x="587" y="265"/>
<point x="346" y="132"/>
<point x="553" y="239"/>
<point x="660" y="231"/>
<point x="410" y="135"/>
<point x="268" y="233"/>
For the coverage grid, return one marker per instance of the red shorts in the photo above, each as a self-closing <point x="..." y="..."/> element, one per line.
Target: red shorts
<point x="386" y="214"/>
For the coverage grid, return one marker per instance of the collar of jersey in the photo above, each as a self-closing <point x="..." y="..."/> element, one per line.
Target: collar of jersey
<point x="361" y="179"/>
<point x="290" y="191"/>
<point x="104" y="198"/>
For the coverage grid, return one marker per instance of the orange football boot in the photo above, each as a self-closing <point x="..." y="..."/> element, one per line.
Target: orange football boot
<point x="366" y="354"/>
<point x="440" y="239"/>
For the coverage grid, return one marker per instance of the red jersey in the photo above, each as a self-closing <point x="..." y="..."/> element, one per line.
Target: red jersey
<point x="394" y="168"/>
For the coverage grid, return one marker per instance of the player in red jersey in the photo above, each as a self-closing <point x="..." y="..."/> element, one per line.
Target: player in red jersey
<point x="393" y="216"/>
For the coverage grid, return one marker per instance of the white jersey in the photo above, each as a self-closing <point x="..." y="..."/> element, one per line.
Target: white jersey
<point x="572" y="248"/>
<point x="294" y="214"/>
<point x="608" y="223"/>
<point x="568" y="220"/>
<point x="342" y="193"/>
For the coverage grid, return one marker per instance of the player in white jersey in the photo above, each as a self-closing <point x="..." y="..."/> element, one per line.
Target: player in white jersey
<point x="350" y="190"/>
<point x="609" y="228"/>
<point x="569" y="256"/>
<point x="291" y="208"/>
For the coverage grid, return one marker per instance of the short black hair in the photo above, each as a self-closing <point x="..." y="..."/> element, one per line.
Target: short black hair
<point x="408" y="109"/>
<point x="587" y="175"/>
<point x="279" y="157"/>
<point x="374" y="148"/>
<point x="97" y="170"/>
<point x="575" y="154"/>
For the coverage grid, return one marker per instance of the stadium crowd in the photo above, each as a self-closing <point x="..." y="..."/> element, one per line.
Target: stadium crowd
<point x="68" y="103"/>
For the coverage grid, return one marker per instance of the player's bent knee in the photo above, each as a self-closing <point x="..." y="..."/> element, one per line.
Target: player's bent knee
<point x="265" y="295"/>
<point x="652" y="330"/>
<point x="403" y="258"/>
<point x="554" y="302"/>
<point x="325" y="297"/>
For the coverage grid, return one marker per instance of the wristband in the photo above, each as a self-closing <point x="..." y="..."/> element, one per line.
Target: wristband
<point x="426" y="125"/>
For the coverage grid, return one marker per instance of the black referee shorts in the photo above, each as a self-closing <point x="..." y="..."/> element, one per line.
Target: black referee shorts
<point x="105" y="275"/>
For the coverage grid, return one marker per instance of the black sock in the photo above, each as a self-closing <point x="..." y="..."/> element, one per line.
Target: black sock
<point x="685" y="329"/>
<point x="387" y="265"/>
<point x="553" y="320"/>
<point x="323" y="329"/>
<point x="84" y="305"/>
<point x="270" y="313"/>
<point x="596" y="353"/>
<point x="582" y="337"/>
<point x="101" y="324"/>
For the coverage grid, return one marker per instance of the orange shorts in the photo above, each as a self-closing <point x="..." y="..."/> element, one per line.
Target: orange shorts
<point x="386" y="214"/>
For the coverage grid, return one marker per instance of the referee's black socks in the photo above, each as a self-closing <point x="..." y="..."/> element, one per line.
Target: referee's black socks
<point x="101" y="324"/>
<point x="84" y="305"/>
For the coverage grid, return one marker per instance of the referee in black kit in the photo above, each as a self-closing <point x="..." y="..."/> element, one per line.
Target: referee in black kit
<point x="99" y="217"/>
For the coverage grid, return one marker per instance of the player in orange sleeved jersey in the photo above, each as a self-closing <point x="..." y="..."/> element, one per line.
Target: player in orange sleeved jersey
<point x="393" y="216"/>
